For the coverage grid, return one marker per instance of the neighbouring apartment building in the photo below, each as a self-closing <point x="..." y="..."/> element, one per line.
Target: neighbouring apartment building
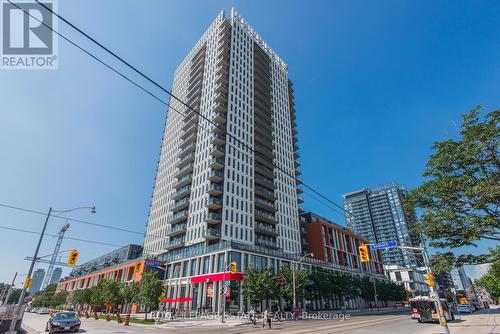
<point x="412" y="279"/>
<point x="336" y="244"/>
<point x="377" y="214"/>
<point x="118" y="265"/>
<point x="36" y="284"/>
<point x="226" y="186"/>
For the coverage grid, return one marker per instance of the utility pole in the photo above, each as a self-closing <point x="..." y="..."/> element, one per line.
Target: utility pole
<point x="19" y="307"/>
<point x="9" y="290"/>
<point x="442" y="319"/>
<point x="375" y="291"/>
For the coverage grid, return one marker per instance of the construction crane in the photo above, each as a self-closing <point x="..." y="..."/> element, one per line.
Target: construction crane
<point x="53" y="259"/>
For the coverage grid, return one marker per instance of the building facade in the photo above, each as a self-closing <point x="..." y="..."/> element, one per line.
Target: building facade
<point x="36" y="284"/>
<point x="328" y="241"/>
<point x="227" y="171"/>
<point x="412" y="279"/>
<point x="56" y="275"/>
<point x="226" y="186"/>
<point x="377" y="214"/>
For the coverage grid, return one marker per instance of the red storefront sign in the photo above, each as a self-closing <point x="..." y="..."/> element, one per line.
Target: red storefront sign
<point x="217" y="277"/>
<point x="177" y="300"/>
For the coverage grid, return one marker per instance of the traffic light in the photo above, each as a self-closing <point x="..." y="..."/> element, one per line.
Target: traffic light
<point x="364" y="254"/>
<point x="73" y="258"/>
<point x="137" y="266"/>
<point x="429" y="280"/>
<point x="233" y="267"/>
<point x="222" y="291"/>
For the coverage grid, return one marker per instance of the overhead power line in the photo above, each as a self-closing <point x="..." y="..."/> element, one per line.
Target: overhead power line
<point x="55" y="235"/>
<point x="142" y="74"/>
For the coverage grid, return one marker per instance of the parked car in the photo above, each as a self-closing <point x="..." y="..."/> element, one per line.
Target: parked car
<point x="465" y="308"/>
<point x="63" y="322"/>
<point x="42" y="310"/>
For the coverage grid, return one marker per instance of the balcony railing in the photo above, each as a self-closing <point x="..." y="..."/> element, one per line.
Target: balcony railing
<point x="211" y="233"/>
<point x="176" y="230"/>
<point x="215" y="189"/>
<point x="180" y="204"/>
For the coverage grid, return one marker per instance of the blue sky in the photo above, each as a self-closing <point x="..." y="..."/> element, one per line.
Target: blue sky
<point x="375" y="82"/>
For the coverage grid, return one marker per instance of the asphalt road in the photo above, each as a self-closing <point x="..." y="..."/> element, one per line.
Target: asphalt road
<point x="481" y="322"/>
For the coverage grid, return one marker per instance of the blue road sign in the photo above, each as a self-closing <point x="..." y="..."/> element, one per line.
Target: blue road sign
<point x="384" y="245"/>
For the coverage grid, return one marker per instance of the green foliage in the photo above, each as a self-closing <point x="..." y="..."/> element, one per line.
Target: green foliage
<point x="96" y="294"/>
<point x="460" y="199"/>
<point x="285" y="290"/>
<point x="150" y="288"/>
<point x="129" y="293"/>
<point x="111" y="292"/>
<point x="58" y="299"/>
<point x="259" y="285"/>
<point x="14" y="296"/>
<point x="491" y="280"/>
<point x="83" y="296"/>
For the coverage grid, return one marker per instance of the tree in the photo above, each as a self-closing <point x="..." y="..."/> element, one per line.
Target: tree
<point x="258" y="285"/>
<point x="460" y="199"/>
<point x="111" y="292"/>
<point x="14" y="296"/>
<point x="150" y="288"/>
<point x="96" y="295"/>
<point x="285" y="290"/>
<point x="491" y="280"/>
<point x="83" y="297"/>
<point x="58" y="299"/>
<point x="129" y="293"/>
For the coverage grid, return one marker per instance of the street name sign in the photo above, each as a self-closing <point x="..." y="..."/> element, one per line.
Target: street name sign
<point x="384" y="245"/>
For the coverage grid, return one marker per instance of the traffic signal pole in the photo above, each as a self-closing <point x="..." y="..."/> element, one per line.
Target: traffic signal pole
<point x="442" y="319"/>
<point x="19" y="307"/>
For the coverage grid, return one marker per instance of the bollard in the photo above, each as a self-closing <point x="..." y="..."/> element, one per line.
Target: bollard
<point x="87" y="315"/>
<point x="108" y="318"/>
<point x="78" y="313"/>
<point x="95" y="315"/>
<point x="118" y="318"/>
<point x="127" y="319"/>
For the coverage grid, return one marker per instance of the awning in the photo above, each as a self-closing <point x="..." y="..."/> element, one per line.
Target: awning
<point x="217" y="277"/>
<point x="177" y="300"/>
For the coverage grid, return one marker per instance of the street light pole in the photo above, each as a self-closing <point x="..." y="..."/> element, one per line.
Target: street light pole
<point x="294" y="267"/>
<point x="17" y="313"/>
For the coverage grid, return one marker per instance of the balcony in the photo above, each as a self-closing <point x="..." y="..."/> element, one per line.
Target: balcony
<point x="184" y="160"/>
<point x="221" y="97"/>
<point x="264" y="204"/>
<point x="295" y="139"/>
<point x="266" y="171"/>
<point x="220" y="107"/>
<point x="213" y="218"/>
<point x="294" y="131"/>
<point x="175" y="243"/>
<point x="219" y="139"/>
<point x="266" y="243"/>
<point x="266" y="230"/>
<point x="215" y="189"/>
<point x="223" y="55"/>
<point x="217" y="150"/>
<point x="300" y="200"/>
<point x="180" y="204"/>
<point x="261" y="191"/>
<point x="178" y="217"/>
<point x="211" y="233"/>
<point x="190" y="131"/>
<point x="297" y="163"/>
<point x="194" y="99"/>
<point x="214" y="203"/>
<point x="183" y="181"/>
<point x="264" y="181"/>
<point x="182" y="193"/>
<point x="298" y="172"/>
<point x="187" y="148"/>
<point x="216" y="163"/>
<point x="219" y="117"/>
<point x="299" y="191"/>
<point x="219" y="128"/>
<point x="176" y="230"/>
<point x="265" y="216"/>
<point x="222" y="78"/>
<point x="296" y="155"/>
<point x="221" y="88"/>
<point x="265" y="151"/>
<point x="188" y="140"/>
<point x="184" y="170"/>
<point x="221" y="69"/>
<point x="216" y="175"/>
